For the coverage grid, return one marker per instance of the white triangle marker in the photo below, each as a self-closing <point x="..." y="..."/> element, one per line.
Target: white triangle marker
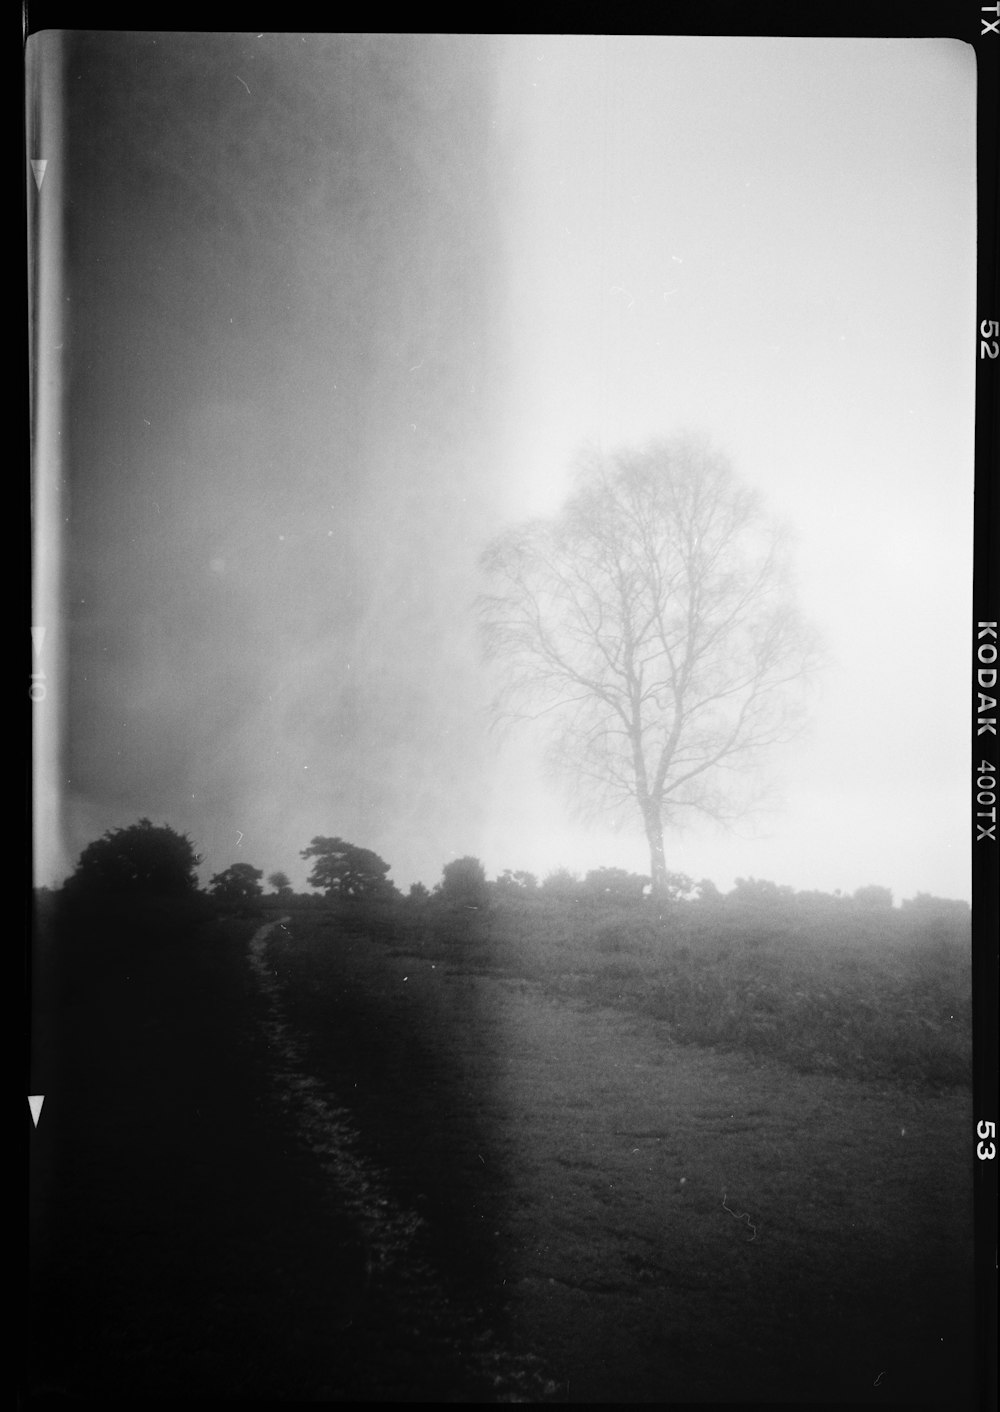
<point x="38" y="165"/>
<point x="35" y="1102"/>
<point x="37" y="638"/>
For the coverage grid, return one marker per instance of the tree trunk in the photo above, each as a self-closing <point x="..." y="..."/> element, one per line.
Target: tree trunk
<point x="654" y="836"/>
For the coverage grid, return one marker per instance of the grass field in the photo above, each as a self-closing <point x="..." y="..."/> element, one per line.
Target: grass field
<point x="838" y="988"/>
<point x="546" y="1153"/>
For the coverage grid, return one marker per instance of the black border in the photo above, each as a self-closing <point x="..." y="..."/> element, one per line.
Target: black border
<point x="875" y="18"/>
<point x="985" y="859"/>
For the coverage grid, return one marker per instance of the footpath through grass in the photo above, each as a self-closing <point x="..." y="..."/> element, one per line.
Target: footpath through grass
<point x="839" y="988"/>
<point x="186" y="1243"/>
<point x="704" y="1156"/>
<point x="653" y="1220"/>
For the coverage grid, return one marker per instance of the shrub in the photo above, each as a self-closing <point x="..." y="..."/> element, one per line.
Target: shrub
<point x="615" y="884"/>
<point x="517" y="881"/>
<point x="927" y="904"/>
<point x="238" y="885"/>
<point x="463" y="882"/>
<point x="758" y="892"/>
<point x="282" y="884"/>
<point x="141" y="859"/>
<point x="561" y="883"/>
<point x="873" y="896"/>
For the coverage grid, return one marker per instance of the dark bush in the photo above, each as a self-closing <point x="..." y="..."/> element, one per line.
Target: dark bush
<point x="238" y="886"/>
<point x="463" y="882"/>
<point x="141" y="859"/>
<point x="282" y="885"/>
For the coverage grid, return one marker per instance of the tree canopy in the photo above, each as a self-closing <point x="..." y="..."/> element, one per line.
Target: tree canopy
<point x="345" y="871"/>
<point x="238" y="885"/>
<point x="142" y="858"/>
<point x="516" y="880"/>
<point x="652" y="622"/>
<point x="463" y="881"/>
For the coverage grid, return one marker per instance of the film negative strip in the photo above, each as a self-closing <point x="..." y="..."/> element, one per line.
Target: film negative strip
<point x="513" y="858"/>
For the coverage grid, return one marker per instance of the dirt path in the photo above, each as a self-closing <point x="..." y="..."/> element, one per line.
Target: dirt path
<point x="663" y="1223"/>
<point x="184" y="1245"/>
<point x="432" y="1338"/>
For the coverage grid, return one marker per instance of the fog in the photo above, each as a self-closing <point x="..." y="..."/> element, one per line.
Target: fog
<point x="320" y="315"/>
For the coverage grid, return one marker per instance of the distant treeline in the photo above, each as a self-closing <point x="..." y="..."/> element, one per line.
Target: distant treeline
<point x="144" y="858"/>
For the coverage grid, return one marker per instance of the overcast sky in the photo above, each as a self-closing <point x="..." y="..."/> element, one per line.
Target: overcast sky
<point x="320" y="315"/>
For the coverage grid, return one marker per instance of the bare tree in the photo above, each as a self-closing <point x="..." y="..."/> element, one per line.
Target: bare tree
<point x="654" y="618"/>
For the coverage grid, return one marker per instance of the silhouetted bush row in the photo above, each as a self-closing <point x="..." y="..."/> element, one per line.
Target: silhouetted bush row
<point x="158" y="861"/>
